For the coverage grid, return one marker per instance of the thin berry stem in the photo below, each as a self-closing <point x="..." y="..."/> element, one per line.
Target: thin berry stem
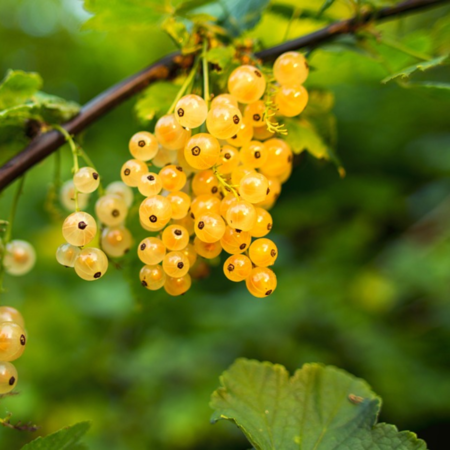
<point x="88" y="161"/>
<point x="73" y="148"/>
<point x="13" y="210"/>
<point x="206" y="94"/>
<point x="225" y="185"/>
<point x="185" y="87"/>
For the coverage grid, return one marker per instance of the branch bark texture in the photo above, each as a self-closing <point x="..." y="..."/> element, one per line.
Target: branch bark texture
<point x="166" y="68"/>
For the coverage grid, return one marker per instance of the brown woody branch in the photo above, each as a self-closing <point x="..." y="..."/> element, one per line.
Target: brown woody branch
<point x="166" y="68"/>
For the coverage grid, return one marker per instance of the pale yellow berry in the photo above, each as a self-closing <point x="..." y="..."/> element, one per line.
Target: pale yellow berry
<point x="79" y="229"/>
<point x="91" y="264"/>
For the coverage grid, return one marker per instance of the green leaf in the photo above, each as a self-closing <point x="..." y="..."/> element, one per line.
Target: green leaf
<point x="318" y="408"/>
<point x="189" y="5"/>
<point x="221" y="56"/>
<point x="242" y="15"/>
<point x="17" y="87"/>
<point x="177" y="30"/>
<point x="288" y="11"/>
<point x="65" y="439"/>
<point x="406" y="73"/>
<point x="326" y="4"/>
<point x="431" y="85"/>
<point x="155" y="100"/>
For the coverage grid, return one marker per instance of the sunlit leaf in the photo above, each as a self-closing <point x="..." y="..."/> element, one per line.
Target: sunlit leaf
<point x="221" y="56"/>
<point x="318" y="408"/>
<point x="18" y="86"/>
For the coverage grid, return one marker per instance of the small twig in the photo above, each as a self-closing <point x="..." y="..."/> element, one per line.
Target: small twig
<point x="29" y="426"/>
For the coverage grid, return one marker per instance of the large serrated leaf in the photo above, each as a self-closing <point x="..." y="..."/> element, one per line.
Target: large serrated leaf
<point x="318" y="408"/>
<point x="65" y="439"/>
<point x="422" y="66"/>
<point x="18" y="86"/>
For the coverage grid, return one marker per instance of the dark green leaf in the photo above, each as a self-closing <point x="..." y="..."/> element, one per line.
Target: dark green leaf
<point x="66" y="439"/>
<point x="242" y="15"/>
<point x="189" y="5"/>
<point x="17" y="87"/>
<point x="326" y="4"/>
<point x="221" y="56"/>
<point x="318" y="408"/>
<point x="406" y="73"/>
<point x="155" y="100"/>
<point x="431" y="85"/>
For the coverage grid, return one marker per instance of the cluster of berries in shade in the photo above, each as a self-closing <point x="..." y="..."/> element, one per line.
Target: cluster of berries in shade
<point x="13" y="340"/>
<point x="214" y="174"/>
<point x="80" y="228"/>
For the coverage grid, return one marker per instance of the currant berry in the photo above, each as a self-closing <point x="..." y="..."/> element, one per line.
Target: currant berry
<point x="279" y="159"/>
<point x="206" y="203"/>
<point x="191" y="111"/>
<point x="229" y="160"/>
<point x="291" y="68"/>
<point x="255" y="112"/>
<point x="244" y="135"/>
<point x="238" y="173"/>
<point x="226" y="202"/>
<point x="111" y="210"/>
<point x="173" y="178"/>
<point x="12" y="341"/>
<point x="170" y="134"/>
<point x="262" y="133"/>
<point x="66" y="254"/>
<point x="223" y="122"/>
<point x="247" y="84"/>
<point x="274" y="193"/>
<point x="143" y="146"/>
<point x="151" y="251"/>
<point x="67" y="197"/>
<point x="150" y="184"/>
<point x="10" y="314"/>
<point x="175" y="237"/>
<point x="263" y="223"/>
<point x="8" y="377"/>
<point x="177" y="286"/>
<point x="186" y="222"/>
<point x="86" y="180"/>
<point x="254" y="155"/>
<point x="202" y="151"/>
<point x="254" y="187"/>
<point x="209" y="227"/>
<point x="201" y="270"/>
<point x="263" y="252"/>
<point x="180" y="202"/>
<point x="224" y="99"/>
<point x="207" y="250"/>
<point x="235" y="242"/>
<point x="79" y="229"/>
<point x="205" y="182"/>
<point x="291" y="100"/>
<point x="132" y="172"/>
<point x="116" y="241"/>
<point x="19" y="257"/>
<point x="152" y="277"/>
<point x="91" y="264"/>
<point x="181" y="161"/>
<point x="241" y="216"/>
<point x="191" y="254"/>
<point x="121" y="190"/>
<point x="261" y="282"/>
<point x="237" y="268"/>
<point x="164" y="157"/>
<point x="155" y="212"/>
<point x="176" y="264"/>
<point x="285" y="175"/>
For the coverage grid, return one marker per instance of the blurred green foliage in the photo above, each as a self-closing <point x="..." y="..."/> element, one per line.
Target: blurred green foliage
<point x="364" y="266"/>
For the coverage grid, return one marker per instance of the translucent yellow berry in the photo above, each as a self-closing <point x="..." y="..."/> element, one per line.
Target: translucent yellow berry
<point x="91" y="264"/>
<point x="209" y="227"/>
<point x="86" y="180"/>
<point x="191" y="254"/>
<point x="235" y="242"/>
<point x="187" y="222"/>
<point x="191" y="111"/>
<point x="116" y="241"/>
<point x="261" y="282"/>
<point x="170" y="134"/>
<point x="226" y="202"/>
<point x="177" y="286"/>
<point x="19" y="257"/>
<point x="229" y="160"/>
<point x="207" y="250"/>
<point x="255" y="112"/>
<point x="175" y="264"/>
<point x="263" y="252"/>
<point x="151" y="251"/>
<point x="143" y="146"/>
<point x="132" y="172"/>
<point x="279" y="159"/>
<point x="152" y="277"/>
<point x="223" y="122"/>
<point x="244" y="135"/>
<point x="291" y="100"/>
<point x="262" y="133"/>
<point x="241" y="216"/>
<point x="254" y="155"/>
<point x="155" y="212"/>
<point x="202" y="151"/>
<point x="291" y="68"/>
<point x="66" y="254"/>
<point x="150" y="184"/>
<point x="205" y="182"/>
<point x="180" y="202"/>
<point x="237" y="268"/>
<point x="175" y="237"/>
<point x="247" y="84"/>
<point x="238" y="173"/>
<point x="79" y="229"/>
<point x="121" y="190"/>
<point x="12" y="341"/>
<point x="111" y="210"/>
<point x="206" y="203"/>
<point x="10" y="314"/>
<point x="172" y="177"/>
<point x="164" y="157"/>
<point x="263" y="223"/>
<point x="254" y="187"/>
<point x="224" y="99"/>
<point x="67" y="197"/>
<point x="8" y="377"/>
<point x="274" y="193"/>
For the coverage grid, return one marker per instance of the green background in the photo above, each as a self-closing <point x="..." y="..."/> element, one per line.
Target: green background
<point x="364" y="265"/>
